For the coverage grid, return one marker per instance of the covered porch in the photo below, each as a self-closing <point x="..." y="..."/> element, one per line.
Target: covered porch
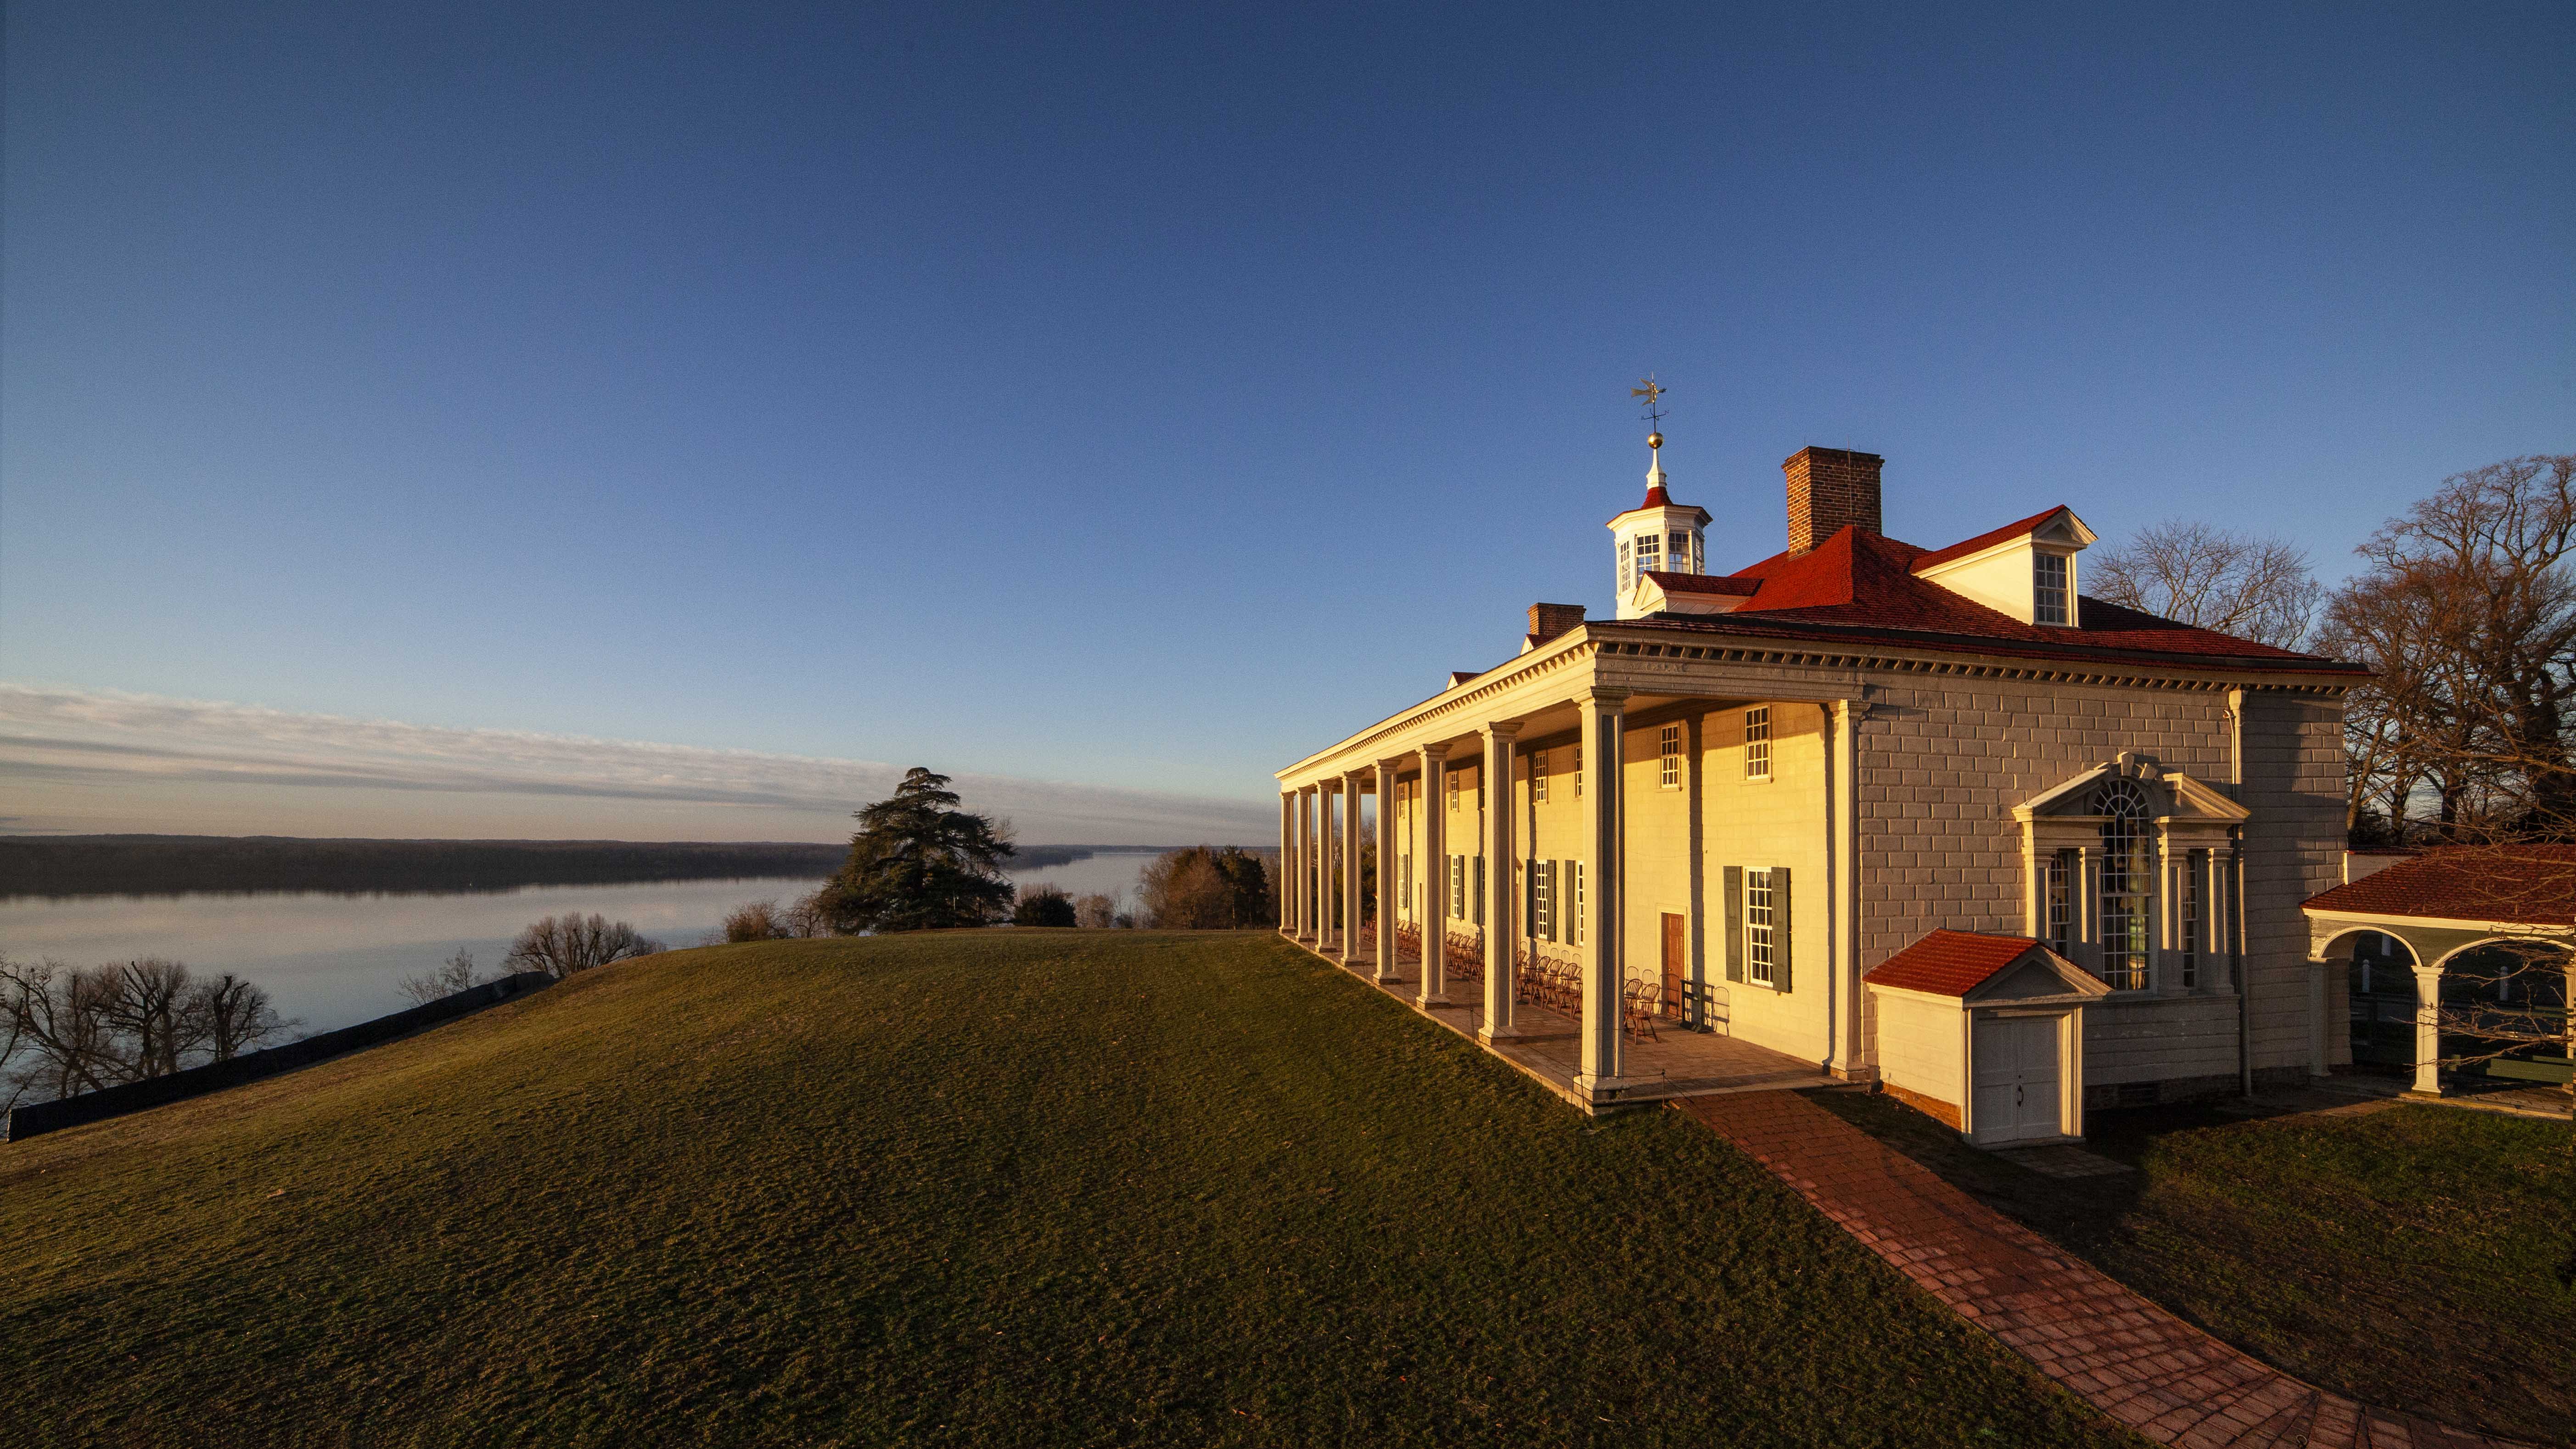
<point x="1662" y="1062"/>
<point x="1470" y="838"/>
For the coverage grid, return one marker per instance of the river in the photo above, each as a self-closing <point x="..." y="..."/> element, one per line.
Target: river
<point x="330" y="960"/>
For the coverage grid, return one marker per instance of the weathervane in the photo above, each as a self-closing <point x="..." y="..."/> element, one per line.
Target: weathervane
<point x="1653" y="393"/>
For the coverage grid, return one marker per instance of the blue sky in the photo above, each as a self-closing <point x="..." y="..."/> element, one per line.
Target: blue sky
<point x="1138" y="401"/>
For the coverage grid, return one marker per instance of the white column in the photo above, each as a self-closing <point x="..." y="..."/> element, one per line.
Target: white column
<point x="1432" y="866"/>
<point x="1296" y="884"/>
<point x="1287" y="853"/>
<point x="2319" y="973"/>
<point x="1501" y="910"/>
<point x="2083" y="904"/>
<point x="1325" y="899"/>
<point x="1387" y="850"/>
<point x="1695" y="960"/>
<point x="1318" y="836"/>
<point x="1353" y="952"/>
<point x="1604" y="972"/>
<point x="2428" y="1030"/>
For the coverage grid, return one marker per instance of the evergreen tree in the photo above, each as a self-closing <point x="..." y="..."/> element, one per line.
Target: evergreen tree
<point x="918" y="863"/>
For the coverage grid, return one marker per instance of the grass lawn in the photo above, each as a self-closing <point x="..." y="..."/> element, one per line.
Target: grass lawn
<point x="2416" y="1257"/>
<point x="986" y="1188"/>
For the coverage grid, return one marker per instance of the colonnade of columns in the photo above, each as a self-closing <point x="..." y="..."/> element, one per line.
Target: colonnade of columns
<point x="1307" y="827"/>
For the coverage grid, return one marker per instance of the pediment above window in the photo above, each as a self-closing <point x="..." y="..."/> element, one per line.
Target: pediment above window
<point x="2169" y="797"/>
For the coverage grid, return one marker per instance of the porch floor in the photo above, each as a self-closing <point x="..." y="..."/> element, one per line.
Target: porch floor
<point x="1679" y="1063"/>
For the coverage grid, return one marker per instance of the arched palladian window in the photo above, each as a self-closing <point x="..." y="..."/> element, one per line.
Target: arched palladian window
<point x="2127" y="879"/>
<point x="2129" y="872"/>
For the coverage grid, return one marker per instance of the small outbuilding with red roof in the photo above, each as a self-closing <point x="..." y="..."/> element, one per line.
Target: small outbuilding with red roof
<point x="1986" y="1034"/>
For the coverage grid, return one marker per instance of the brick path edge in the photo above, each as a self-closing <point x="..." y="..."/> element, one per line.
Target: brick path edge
<point x="2133" y="1361"/>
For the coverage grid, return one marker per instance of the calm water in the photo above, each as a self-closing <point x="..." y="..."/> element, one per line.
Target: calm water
<point x="337" y="959"/>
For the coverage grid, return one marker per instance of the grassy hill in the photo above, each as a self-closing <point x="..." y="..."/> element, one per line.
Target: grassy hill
<point x="986" y="1188"/>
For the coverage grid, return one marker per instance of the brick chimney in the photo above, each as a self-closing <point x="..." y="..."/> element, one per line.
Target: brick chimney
<point x="1549" y="620"/>
<point x="1829" y="488"/>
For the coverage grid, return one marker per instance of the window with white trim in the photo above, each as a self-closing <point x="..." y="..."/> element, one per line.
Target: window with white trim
<point x="2061" y="902"/>
<point x="1578" y="903"/>
<point x="1453" y="792"/>
<point x="1757" y="742"/>
<point x="2048" y="588"/>
<point x="1538" y="777"/>
<point x="1650" y="551"/>
<point x="1677" y="552"/>
<point x="1458" y="886"/>
<point x="1626" y="579"/>
<point x="1543" y="899"/>
<point x="1668" y="756"/>
<point x="2126" y="878"/>
<point x="2187" y="910"/>
<point x="1760" y="966"/>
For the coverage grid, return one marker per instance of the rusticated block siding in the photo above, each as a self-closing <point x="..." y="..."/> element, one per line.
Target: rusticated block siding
<point x="1942" y="763"/>
<point x="2294" y="784"/>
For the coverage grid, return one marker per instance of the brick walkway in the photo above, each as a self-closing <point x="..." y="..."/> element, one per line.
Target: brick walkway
<point x="2125" y="1356"/>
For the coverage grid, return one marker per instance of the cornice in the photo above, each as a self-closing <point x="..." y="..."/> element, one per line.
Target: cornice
<point x="1643" y="657"/>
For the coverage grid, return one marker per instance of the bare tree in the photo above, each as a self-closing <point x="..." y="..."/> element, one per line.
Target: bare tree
<point x="806" y="918"/>
<point x="2253" y="588"/>
<point x="756" y="921"/>
<point x="69" y="1030"/>
<point x="60" y="1042"/>
<point x="143" y="1006"/>
<point x="457" y="973"/>
<point x="2467" y="612"/>
<point x="569" y="943"/>
<point x="229" y="1016"/>
<point x="1096" y="911"/>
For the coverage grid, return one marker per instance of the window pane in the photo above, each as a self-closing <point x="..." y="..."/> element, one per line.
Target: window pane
<point x="2126" y="879"/>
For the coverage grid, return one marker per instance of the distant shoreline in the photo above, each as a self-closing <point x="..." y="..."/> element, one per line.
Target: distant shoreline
<point x="71" y="866"/>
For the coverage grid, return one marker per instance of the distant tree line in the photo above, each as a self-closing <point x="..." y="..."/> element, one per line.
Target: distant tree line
<point x="65" y="1030"/>
<point x="78" y="865"/>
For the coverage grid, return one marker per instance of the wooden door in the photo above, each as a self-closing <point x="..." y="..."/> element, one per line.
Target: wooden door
<point x="2017" y="1094"/>
<point x="1676" y="962"/>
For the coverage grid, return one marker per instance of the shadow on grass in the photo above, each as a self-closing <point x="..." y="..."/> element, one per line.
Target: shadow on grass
<point x="2410" y="1255"/>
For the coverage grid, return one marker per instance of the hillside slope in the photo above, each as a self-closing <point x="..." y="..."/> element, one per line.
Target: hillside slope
<point x="986" y="1188"/>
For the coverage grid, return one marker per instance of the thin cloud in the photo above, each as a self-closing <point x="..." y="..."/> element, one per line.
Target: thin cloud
<point x="110" y="746"/>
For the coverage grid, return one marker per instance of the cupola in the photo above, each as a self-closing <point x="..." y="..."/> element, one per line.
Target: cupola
<point x="1656" y="536"/>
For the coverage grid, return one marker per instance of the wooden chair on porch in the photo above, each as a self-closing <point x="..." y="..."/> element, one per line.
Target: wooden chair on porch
<point x="1640" y="1002"/>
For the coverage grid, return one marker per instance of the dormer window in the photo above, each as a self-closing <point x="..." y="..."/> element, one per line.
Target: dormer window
<point x="2048" y="588"/>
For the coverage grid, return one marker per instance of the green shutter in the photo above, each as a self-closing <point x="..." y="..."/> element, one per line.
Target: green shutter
<point x="1529" y="897"/>
<point x="1735" y="923"/>
<point x="1780" y="913"/>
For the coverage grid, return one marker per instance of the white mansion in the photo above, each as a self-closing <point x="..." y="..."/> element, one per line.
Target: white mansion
<point x="1925" y="817"/>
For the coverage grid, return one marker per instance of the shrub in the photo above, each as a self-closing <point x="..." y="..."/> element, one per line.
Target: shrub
<point x="1043" y="905"/>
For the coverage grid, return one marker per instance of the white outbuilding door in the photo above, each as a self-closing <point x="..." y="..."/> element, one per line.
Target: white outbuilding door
<point x="2019" y="1094"/>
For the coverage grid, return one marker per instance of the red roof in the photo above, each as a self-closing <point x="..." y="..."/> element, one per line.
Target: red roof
<point x="2528" y="885"/>
<point x="1987" y="540"/>
<point x="1950" y="963"/>
<point x="1860" y="587"/>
